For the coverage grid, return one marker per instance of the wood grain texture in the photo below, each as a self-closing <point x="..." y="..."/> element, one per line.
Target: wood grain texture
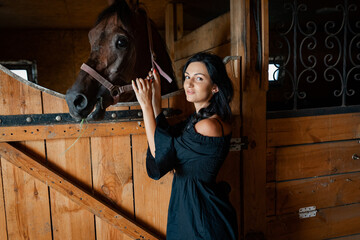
<point x="40" y="132"/>
<point x="322" y="192"/>
<point x="71" y="157"/>
<point x="26" y="199"/>
<point x="170" y="29"/>
<point x="316" y="160"/>
<point x="212" y="34"/>
<point x="300" y="130"/>
<point x="76" y="194"/>
<point x="151" y="197"/>
<point x="328" y="223"/>
<point x="112" y="179"/>
<point x="3" y="227"/>
<point x="253" y="112"/>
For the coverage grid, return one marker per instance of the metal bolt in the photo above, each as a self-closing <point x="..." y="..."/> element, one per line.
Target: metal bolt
<point x="29" y="119"/>
<point x="113" y="115"/>
<point x="58" y="118"/>
<point x="140" y="114"/>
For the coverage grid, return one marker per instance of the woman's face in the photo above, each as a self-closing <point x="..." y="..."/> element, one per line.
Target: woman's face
<point x="198" y="85"/>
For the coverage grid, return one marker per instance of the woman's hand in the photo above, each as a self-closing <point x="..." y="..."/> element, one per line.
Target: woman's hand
<point x="156" y="93"/>
<point x="143" y="92"/>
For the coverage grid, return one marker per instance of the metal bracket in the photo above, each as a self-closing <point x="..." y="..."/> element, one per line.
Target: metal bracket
<point x="307" y="212"/>
<point x="237" y="144"/>
<point x="65" y="118"/>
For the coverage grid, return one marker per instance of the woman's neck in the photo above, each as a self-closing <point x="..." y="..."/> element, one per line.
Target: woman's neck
<point x="199" y="106"/>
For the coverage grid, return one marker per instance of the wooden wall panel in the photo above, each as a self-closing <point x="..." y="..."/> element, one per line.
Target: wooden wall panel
<point x="300" y="130"/>
<point x="3" y="227"/>
<point x="316" y="159"/>
<point x="72" y="158"/>
<point x="321" y="192"/>
<point x="27" y="205"/>
<point x="328" y="223"/>
<point x="212" y="34"/>
<point x="27" y="217"/>
<point x="151" y="197"/>
<point x="112" y="179"/>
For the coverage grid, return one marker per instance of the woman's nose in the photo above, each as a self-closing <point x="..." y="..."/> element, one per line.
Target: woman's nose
<point x="189" y="82"/>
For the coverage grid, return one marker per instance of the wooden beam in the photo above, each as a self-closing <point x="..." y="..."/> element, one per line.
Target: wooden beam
<point x="213" y="34"/>
<point x="170" y="29"/>
<point x="74" y="193"/>
<point x="4" y="232"/>
<point x="40" y="132"/>
<point x="179" y="20"/>
<point x="253" y="113"/>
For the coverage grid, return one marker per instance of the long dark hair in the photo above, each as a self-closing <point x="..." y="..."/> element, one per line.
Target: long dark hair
<point x="219" y="103"/>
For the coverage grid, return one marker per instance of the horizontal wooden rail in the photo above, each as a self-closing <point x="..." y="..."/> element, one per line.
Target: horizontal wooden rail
<point x="74" y="193"/>
<point x="315" y="129"/>
<point x="40" y="132"/>
<point x="204" y="37"/>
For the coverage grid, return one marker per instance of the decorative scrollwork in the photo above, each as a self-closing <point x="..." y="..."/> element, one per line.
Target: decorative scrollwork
<point x="319" y="50"/>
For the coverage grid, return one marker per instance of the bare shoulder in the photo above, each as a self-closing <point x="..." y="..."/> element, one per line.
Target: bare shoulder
<point x="211" y="127"/>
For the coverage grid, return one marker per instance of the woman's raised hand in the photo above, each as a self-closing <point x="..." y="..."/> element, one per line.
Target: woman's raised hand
<point x="143" y="92"/>
<point x="156" y="93"/>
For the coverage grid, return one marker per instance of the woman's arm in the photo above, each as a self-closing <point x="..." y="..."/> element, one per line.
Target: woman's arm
<point x="147" y="95"/>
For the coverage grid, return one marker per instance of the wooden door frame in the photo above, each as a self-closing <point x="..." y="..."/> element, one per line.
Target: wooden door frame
<point x="252" y="109"/>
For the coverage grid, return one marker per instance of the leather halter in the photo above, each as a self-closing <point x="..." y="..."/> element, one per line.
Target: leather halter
<point x="115" y="90"/>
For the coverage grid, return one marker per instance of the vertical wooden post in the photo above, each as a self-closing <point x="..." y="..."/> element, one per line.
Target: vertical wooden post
<point x="252" y="109"/>
<point x="179" y="21"/>
<point x="169" y="29"/>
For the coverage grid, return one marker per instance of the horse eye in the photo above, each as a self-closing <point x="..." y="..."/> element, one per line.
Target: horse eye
<point x="121" y="42"/>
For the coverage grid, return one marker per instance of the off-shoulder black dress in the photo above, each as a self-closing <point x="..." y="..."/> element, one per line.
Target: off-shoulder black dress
<point x="199" y="207"/>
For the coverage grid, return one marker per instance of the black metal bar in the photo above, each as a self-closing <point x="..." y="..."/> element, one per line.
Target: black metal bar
<point x="65" y="118"/>
<point x="312" y="112"/>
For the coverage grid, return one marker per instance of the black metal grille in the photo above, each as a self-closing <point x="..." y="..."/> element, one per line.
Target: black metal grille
<point x="315" y="48"/>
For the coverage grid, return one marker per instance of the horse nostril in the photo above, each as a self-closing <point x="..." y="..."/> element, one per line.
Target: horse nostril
<point x="80" y="102"/>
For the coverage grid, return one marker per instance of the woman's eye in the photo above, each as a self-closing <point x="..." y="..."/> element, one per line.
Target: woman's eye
<point x="199" y="79"/>
<point x="187" y="77"/>
<point x="121" y="42"/>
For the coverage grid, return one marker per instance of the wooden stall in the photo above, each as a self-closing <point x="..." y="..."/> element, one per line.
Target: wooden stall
<point x="66" y="180"/>
<point x="296" y="177"/>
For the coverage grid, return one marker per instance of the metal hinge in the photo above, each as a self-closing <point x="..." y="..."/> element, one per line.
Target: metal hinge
<point x="237" y="144"/>
<point x="307" y="212"/>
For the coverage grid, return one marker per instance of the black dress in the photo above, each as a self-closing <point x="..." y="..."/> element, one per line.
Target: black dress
<point x="199" y="207"/>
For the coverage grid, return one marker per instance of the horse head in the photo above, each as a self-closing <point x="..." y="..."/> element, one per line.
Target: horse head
<point x="120" y="52"/>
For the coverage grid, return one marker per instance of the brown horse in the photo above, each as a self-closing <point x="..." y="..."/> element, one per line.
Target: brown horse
<point x="120" y="51"/>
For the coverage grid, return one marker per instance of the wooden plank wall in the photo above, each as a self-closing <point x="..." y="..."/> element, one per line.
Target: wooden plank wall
<point x="25" y="199"/>
<point x="310" y="163"/>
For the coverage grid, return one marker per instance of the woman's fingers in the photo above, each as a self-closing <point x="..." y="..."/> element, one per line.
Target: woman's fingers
<point x="156" y="75"/>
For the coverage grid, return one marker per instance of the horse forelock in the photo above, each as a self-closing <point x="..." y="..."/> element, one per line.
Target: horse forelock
<point x="121" y="9"/>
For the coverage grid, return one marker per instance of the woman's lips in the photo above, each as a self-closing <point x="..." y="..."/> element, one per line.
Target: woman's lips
<point x="189" y="92"/>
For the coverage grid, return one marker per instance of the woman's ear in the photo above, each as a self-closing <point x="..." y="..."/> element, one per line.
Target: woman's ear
<point x="215" y="89"/>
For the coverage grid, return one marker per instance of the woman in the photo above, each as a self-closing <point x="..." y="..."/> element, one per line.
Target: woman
<point x="199" y="207"/>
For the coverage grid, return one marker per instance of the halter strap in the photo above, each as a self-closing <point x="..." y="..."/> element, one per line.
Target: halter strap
<point x="152" y="53"/>
<point x="115" y="90"/>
